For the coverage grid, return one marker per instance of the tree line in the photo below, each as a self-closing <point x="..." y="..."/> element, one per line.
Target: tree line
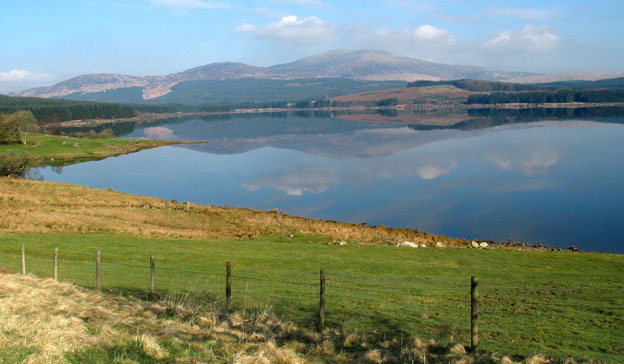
<point x="482" y="86"/>
<point x="54" y="110"/>
<point x="557" y="96"/>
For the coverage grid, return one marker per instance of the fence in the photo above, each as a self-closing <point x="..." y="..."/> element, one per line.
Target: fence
<point x="507" y="318"/>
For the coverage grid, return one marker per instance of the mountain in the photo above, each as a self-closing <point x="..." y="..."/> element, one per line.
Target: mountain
<point x="378" y="65"/>
<point x="207" y="83"/>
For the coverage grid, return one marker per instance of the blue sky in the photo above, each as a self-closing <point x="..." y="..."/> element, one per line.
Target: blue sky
<point x="47" y="41"/>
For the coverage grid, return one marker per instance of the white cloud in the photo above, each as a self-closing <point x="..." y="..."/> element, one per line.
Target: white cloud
<point x="430" y="33"/>
<point x="425" y="36"/>
<point x="529" y="38"/>
<point x="305" y="31"/>
<point x="22" y="76"/>
<point x="188" y="4"/>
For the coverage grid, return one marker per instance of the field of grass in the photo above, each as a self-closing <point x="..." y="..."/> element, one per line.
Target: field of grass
<point x="44" y="321"/>
<point x="561" y="304"/>
<point x="59" y="150"/>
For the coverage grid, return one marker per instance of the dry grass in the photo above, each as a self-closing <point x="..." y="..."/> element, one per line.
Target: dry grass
<point x="58" y="322"/>
<point x="45" y="207"/>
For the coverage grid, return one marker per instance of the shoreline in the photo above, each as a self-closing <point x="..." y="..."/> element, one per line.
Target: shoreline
<point x="151" y="117"/>
<point x="247" y="223"/>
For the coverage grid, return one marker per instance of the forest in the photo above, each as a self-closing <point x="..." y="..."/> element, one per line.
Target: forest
<point x="557" y="96"/>
<point x="54" y="110"/>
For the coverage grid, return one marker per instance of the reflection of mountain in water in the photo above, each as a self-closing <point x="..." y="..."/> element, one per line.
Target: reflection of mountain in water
<point x="347" y="137"/>
<point x="355" y="144"/>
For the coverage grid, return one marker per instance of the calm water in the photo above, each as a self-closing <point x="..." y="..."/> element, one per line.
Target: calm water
<point x="553" y="182"/>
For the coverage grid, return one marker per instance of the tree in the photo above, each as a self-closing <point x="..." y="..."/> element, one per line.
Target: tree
<point x="22" y="123"/>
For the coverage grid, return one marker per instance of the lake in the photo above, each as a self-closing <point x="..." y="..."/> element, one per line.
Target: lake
<point x="555" y="180"/>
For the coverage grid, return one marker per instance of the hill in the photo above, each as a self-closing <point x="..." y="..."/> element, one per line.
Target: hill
<point x="343" y="66"/>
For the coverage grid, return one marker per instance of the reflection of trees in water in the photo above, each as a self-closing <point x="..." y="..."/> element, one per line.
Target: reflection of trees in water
<point x="524" y="115"/>
<point x="57" y="169"/>
<point x="487" y="118"/>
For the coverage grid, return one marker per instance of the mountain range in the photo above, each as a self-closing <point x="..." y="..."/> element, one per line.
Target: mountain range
<point x="365" y="69"/>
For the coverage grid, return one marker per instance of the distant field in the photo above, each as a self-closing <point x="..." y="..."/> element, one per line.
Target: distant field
<point x="558" y="303"/>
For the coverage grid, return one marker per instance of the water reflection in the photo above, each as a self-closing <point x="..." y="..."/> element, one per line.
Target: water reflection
<point x="555" y="182"/>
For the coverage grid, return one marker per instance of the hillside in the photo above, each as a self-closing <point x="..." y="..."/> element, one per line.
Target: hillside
<point x="209" y="82"/>
<point x="380" y="298"/>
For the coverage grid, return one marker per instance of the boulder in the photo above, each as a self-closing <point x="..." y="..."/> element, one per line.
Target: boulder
<point x="407" y="244"/>
<point x="439" y="244"/>
<point x="474" y="244"/>
<point x="422" y="245"/>
<point x="483" y="245"/>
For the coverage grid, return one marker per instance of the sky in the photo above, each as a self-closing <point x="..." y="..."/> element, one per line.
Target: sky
<point x="47" y="41"/>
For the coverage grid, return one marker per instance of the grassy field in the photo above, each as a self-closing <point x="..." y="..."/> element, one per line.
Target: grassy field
<point x="562" y="304"/>
<point x="59" y="150"/>
<point x="44" y="321"/>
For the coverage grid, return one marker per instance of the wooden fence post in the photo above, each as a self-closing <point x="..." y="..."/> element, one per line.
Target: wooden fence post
<point x="321" y="322"/>
<point x="474" y="314"/>
<point x="153" y="277"/>
<point x="56" y="264"/>
<point x="228" y="286"/>
<point x="23" y="260"/>
<point x="98" y="280"/>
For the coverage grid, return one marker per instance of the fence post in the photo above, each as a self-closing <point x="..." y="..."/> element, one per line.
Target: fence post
<point x="153" y="277"/>
<point x="56" y="264"/>
<point x="228" y="286"/>
<point x="474" y="314"/>
<point x="98" y="281"/>
<point x="321" y="322"/>
<point x="23" y="260"/>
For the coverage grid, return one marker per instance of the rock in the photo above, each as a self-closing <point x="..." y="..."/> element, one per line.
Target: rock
<point x="474" y="244"/>
<point x="439" y="244"/>
<point x="483" y="245"/>
<point x="422" y="245"/>
<point x="407" y="244"/>
<point x="174" y="201"/>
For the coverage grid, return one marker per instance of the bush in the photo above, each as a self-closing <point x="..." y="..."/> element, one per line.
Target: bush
<point x="15" y="165"/>
<point x="92" y="134"/>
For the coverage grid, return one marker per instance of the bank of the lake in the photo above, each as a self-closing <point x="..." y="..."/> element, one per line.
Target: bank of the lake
<point x="64" y="150"/>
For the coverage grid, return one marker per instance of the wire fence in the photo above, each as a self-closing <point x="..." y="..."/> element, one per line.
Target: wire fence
<point x="518" y="317"/>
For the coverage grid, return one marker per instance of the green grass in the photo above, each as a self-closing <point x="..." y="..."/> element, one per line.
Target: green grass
<point x="53" y="149"/>
<point x="562" y="304"/>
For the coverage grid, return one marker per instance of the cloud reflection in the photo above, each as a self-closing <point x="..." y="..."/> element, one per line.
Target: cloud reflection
<point x="530" y="162"/>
